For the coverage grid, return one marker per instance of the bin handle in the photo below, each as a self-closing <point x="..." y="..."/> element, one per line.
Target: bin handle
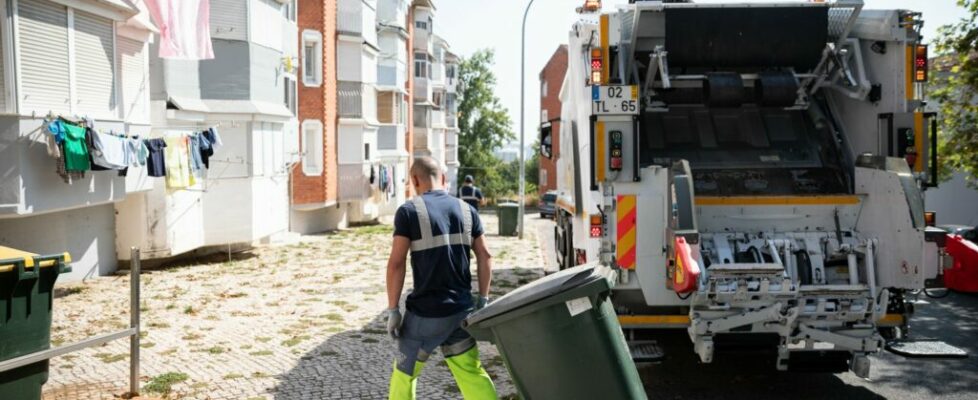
<point x="23" y="273"/>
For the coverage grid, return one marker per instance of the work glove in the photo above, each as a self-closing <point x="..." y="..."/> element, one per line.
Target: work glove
<point x="394" y="322"/>
<point x="481" y="302"/>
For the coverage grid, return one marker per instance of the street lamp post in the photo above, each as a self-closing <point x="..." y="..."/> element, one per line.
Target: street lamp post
<point x="523" y="120"/>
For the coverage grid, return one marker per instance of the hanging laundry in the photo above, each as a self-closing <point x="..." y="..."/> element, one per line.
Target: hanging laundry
<point x="156" y="159"/>
<point x="196" y="158"/>
<point x="184" y="28"/>
<point x="206" y="149"/>
<point x="76" y="149"/>
<point x="372" y="176"/>
<point x="110" y="151"/>
<point x="54" y="138"/>
<point x="178" y="174"/>
<point x="215" y="138"/>
<point x="136" y="153"/>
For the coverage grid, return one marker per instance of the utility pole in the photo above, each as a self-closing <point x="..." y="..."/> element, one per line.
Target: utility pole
<point x="523" y="121"/>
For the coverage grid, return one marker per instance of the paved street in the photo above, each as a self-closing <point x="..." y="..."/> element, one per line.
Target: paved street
<point x="303" y="321"/>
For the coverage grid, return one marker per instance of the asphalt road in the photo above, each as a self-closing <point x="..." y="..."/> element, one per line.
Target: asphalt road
<point x="953" y="319"/>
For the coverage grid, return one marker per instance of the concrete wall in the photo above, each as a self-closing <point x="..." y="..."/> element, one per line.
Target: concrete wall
<point x="87" y="234"/>
<point x="954" y="202"/>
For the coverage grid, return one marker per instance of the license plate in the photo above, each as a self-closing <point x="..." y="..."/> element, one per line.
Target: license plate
<point x="614" y="100"/>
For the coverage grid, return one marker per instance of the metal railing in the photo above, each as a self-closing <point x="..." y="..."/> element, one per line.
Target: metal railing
<point x="350" y="96"/>
<point x="132" y="333"/>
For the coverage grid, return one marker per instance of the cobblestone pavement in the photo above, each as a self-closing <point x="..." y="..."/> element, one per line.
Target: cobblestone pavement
<point x="302" y="321"/>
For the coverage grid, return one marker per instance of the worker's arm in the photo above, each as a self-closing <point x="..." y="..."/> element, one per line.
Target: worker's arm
<point x="484" y="267"/>
<point x="396" y="270"/>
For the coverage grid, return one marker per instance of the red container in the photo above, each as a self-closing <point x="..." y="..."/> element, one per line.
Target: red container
<point x="963" y="276"/>
<point x="687" y="270"/>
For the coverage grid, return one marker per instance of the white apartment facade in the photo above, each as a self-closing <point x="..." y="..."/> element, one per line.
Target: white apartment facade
<point x="74" y="59"/>
<point x="248" y="93"/>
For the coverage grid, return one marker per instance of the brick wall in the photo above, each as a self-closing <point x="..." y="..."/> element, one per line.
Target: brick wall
<point x="318" y="103"/>
<point x="553" y="74"/>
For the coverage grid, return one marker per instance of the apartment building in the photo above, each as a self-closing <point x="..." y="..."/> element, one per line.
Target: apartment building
<point x="393" y="104"/>
<point x="435" y="83"/>
<point x="551" y="80"/>
<point x="315" y="180"/>
<point x="248" y="92"/>
<point x="71" y="59"/>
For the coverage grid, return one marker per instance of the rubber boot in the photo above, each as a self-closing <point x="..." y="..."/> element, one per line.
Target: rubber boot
<point x="404" y="386"/>
<point x="472" y="379"/>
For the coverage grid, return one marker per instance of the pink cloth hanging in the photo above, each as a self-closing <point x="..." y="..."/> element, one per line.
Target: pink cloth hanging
<point x="185" y="32"/>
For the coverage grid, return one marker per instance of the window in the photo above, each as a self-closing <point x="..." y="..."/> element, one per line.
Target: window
<point x="290" y="95"/>
<point x="312" y="147"/>
<point x="421" y="25"/>
<point x="288" y="10"/>
<point x="543" y="177"/>
<point x="544" y="116"/>
<point x="312" y="58"/>
<point x="543" y="88"/>
<point x="404" y="108"/>
<point x="366" y="151"/>
<point x="421" y="67"/>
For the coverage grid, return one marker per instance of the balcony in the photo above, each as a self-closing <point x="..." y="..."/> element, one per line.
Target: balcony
<point x="422" y="90"/>
<point x="390" y="138"/>
<point x="353" y="183"/>
<point x="391" y="73"/>
<point x="451" y="155"/>
<point x="438" y="118"/>
<point x="355" y="18"/>
<point x="451" y="121"/>
<point x="392" y="13"/>
<point x="357" y="100"/>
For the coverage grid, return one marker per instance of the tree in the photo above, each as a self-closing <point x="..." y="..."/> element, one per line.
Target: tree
<point x="955" y="75"/>
<point x="483" y="122"/>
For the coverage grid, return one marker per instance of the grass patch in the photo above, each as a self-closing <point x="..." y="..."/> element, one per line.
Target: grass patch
<point x="189" y="310"/>
<point x="162" y="384"/>
<point x="158" y="324"/>
<point x="233" y="376"/>
<point x="216" y="350"/>
<point x="246" y="347"/>
<point x="370" y="340"/>
<point x="192" y="336"/>
<point x="147" y="345"/>
<point x="261" y="353"/>
<point x="295" y="340"/>
<point x="263" y="339"/>
<point x="335" y="317"/>
<point x="329" y="353"/>
<point x="111" y="358"/>
<point x="259" y="374"/>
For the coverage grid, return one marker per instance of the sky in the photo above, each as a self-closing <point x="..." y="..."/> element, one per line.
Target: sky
<point x="470" y="25"/>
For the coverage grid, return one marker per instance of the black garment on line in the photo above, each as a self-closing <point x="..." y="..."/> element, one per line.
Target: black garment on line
<point x="155" y="164"/>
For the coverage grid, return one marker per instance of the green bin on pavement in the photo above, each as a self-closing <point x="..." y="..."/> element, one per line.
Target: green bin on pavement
<point x="508" y="218"/>
<point x="26" y="293"/>
<point x="560" y="338"/>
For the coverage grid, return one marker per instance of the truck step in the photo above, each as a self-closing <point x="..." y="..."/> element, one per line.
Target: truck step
<point x="924" y="348"/>
<point x="645" y="351"/>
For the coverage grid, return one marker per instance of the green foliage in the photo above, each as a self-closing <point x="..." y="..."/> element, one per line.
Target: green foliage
<point x="162" y="384"/>
<point x="954" y="76"/>
<point x="483" y="122"/>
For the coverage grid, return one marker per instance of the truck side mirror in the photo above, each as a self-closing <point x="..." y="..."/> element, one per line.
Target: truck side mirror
<point x="546" y="140"/>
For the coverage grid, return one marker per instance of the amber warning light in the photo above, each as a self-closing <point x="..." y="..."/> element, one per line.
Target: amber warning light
<point x="920" y="63"/>
<point x="596" y="64"/>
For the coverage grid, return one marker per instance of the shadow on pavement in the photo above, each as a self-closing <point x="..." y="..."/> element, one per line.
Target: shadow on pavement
<point x="357" y="363"/>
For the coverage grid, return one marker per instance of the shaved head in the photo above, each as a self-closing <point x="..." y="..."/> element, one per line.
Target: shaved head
<point x="427" y="174"/>
<point x="425" y="166"/>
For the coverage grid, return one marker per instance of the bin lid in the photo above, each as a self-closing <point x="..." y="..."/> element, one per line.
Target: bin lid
<point x="507" y="205"/>
<point x="11" y="254"/>
<point x="536" y="291"/>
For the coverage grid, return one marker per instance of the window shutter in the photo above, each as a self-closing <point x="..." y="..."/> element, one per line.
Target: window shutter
<point x="229" y="20"/>
<point x="135" y="81"/>
<point x="94" y="72"/>
<point x="43" y="31"/>
<point x="3" y="86"/>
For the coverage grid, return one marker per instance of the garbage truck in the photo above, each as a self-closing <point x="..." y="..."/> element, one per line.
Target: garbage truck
<point x="754" y="172"/>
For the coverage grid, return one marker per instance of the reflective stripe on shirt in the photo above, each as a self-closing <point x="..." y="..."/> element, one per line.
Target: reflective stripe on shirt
<point x="428" y="240"/>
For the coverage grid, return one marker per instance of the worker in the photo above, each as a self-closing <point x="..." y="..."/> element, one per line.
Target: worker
<point x="470" y="193"/>
<point x="440" y="231"/>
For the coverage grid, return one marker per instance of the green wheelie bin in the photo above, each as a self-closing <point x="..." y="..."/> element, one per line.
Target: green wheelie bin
<point x="560" y="338"/>
<point x="509" y="214"/>
<point x="26" y="293"/>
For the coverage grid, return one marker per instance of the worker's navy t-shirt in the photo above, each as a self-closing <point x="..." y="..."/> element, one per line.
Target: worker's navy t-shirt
<point x="442" y="279"/>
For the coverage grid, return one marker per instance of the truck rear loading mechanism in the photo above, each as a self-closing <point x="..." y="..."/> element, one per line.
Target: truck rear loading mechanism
<point x="752" y="171"/>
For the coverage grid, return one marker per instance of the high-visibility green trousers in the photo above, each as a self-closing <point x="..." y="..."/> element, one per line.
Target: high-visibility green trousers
<point x="472" y="379"/>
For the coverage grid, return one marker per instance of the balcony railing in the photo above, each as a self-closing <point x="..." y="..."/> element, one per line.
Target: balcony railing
<point x="438" y="118"/>
<point x="353" y="183"/>
<point x="451" y="120"/>
<point x="350" y="99"/>
<point x="451" y="154"/>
